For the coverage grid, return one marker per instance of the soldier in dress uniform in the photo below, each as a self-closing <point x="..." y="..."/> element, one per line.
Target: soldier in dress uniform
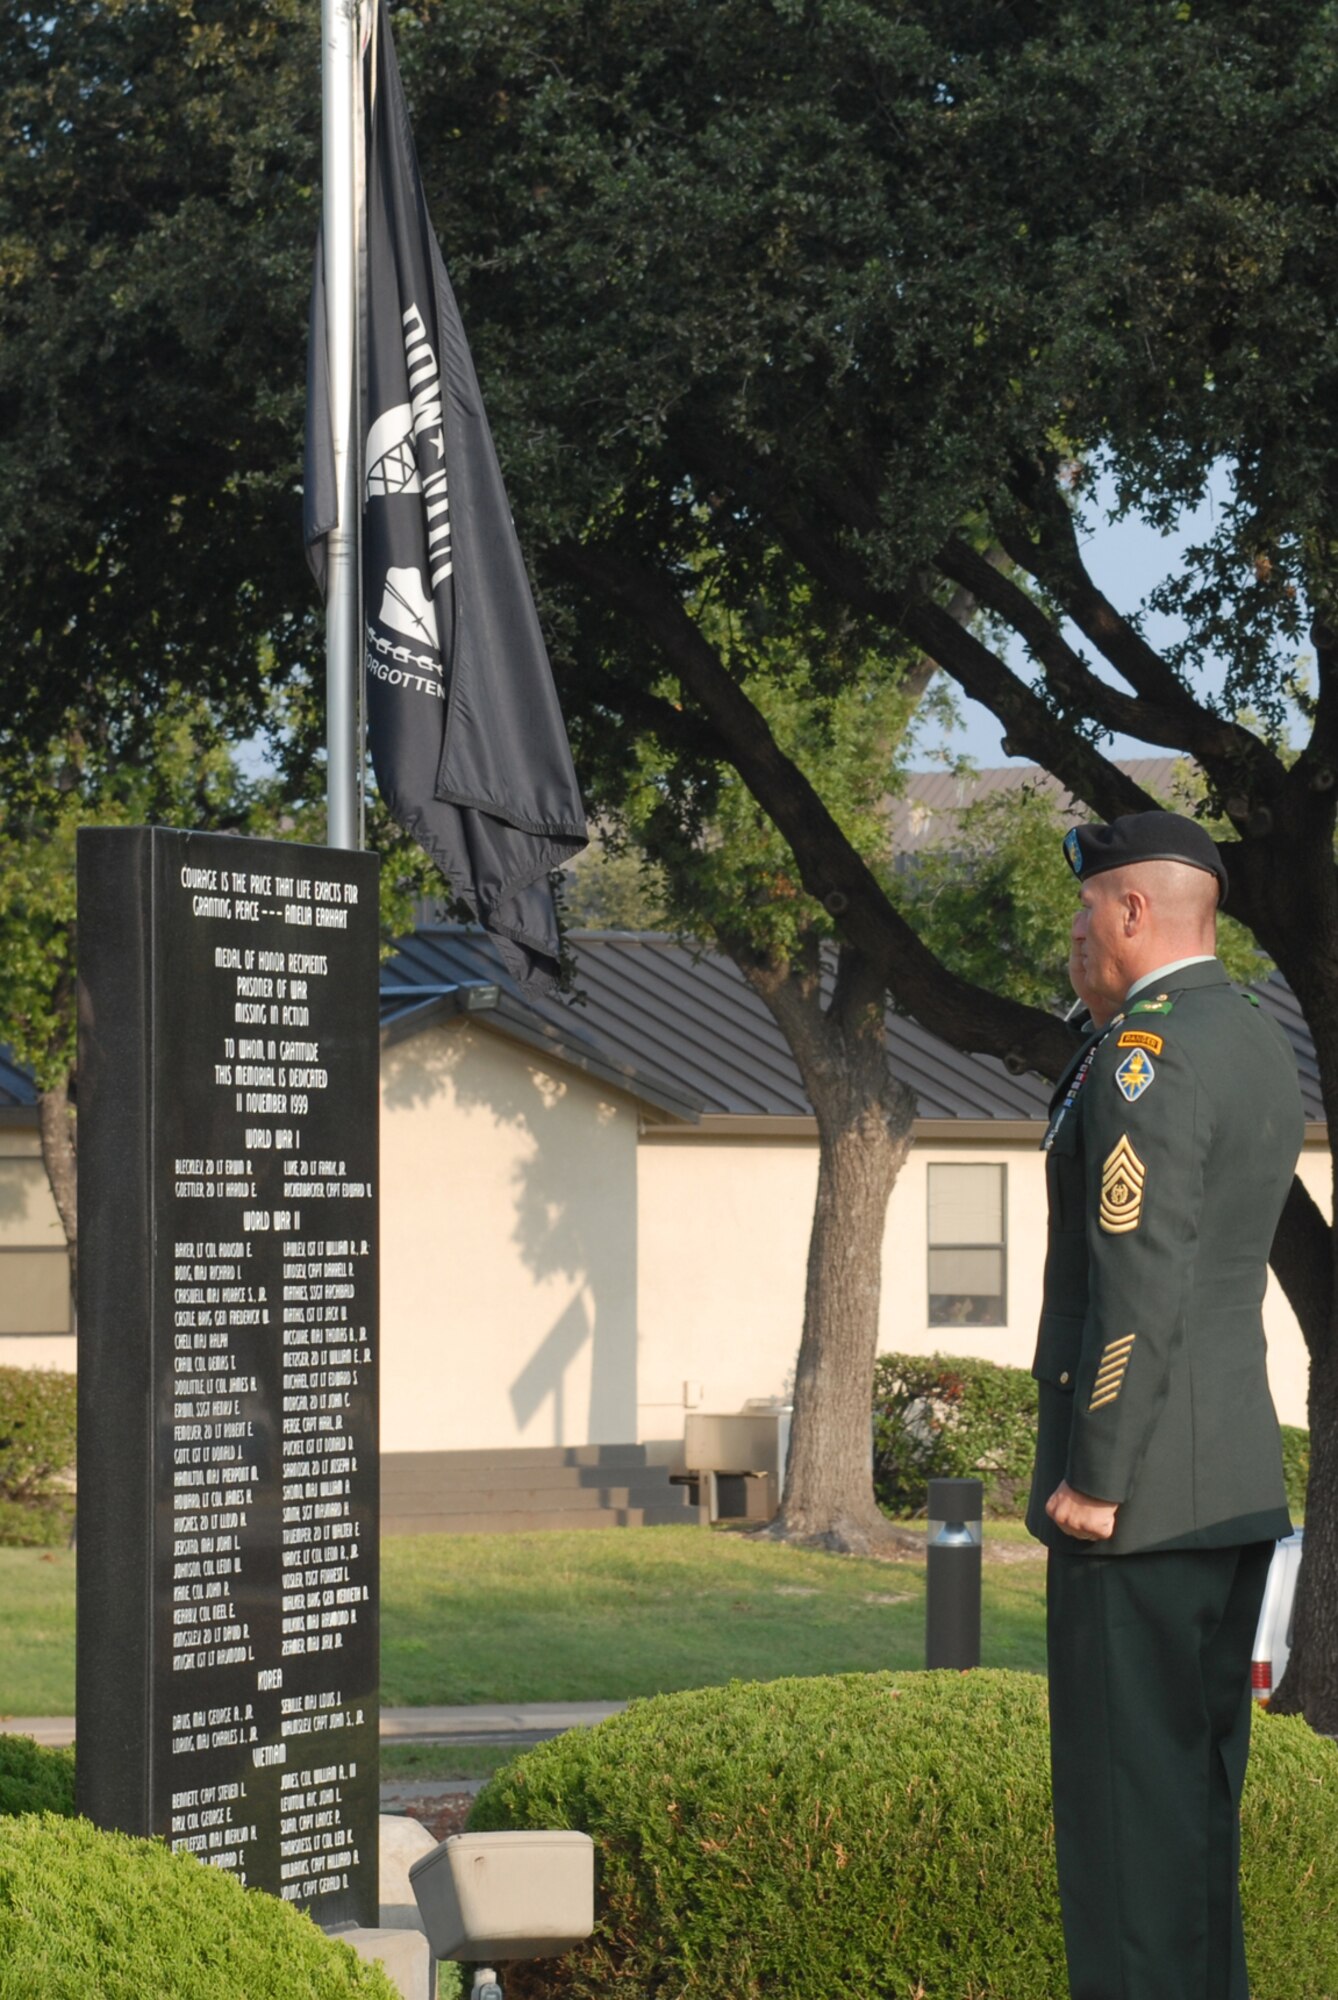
<point x="1158" y="1487"/>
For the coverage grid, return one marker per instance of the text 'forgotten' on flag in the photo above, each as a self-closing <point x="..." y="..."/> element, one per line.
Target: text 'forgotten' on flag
<point x="466" y="736"/>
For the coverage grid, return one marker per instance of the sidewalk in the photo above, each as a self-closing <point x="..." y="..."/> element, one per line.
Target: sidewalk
<point x="490" y="1722"/>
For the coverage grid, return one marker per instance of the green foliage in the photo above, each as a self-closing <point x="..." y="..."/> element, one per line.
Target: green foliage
<point x="34" y="1779"/>
<point x="86" y="1912"/>
<point x="37" y="1452"/>
<point x="179" y="768"/>
<point x="872" y="1834"/>
<point x="939" y="237"/>
<point x="158" y="201"/>
<point x="184" y="774"/>
<point x="995" y="902"/>
<point x="938" y="1416"/>
<point x="1296" y="1467"/>
<point x="846" y="713"/>
<point x="37" y="1524"/>
<point x="613" y="888"/>
<point x="37" y="1431"/>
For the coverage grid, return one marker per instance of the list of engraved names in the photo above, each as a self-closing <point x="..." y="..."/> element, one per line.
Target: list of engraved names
<point x="266" y="1543"/>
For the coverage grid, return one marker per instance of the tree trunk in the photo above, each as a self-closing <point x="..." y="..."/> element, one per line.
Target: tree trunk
<point x="1310" y="1685"/>
<point x="1305" y="1258"/>
<point x="57" y="1123"/>
<point x="864" y="1116"/>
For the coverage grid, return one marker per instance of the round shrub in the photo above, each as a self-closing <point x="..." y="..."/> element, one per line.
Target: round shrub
<point x="943" y="1416"/>
<point x="83" y="1912"/>
<point x="871" y="1837"/>
<point x="1295" y="1467"/>
<point x="37" y="1454"/>
<point x="33" y="1779"/>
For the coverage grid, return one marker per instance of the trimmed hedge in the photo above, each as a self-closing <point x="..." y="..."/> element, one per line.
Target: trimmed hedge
<point x="83" y="1912"/>
<point x="943" y="1416"/>
<point x="34" y="1779"/>
<point x="1295" y="1467"/>
<point x="37" y="1455"/>
<point x="872" y="1835"/>
<point x="940" y="1416"/>
<point x="38" y="1780"/>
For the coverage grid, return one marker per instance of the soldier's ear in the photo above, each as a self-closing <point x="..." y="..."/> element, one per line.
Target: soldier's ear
<point x="1134" y="908"/>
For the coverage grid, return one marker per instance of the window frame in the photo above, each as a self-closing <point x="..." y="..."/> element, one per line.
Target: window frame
<point x="50" y="1250"/>
<point x="999" y="1167"/>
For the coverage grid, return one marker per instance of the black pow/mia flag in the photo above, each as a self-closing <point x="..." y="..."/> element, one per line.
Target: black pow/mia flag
<point x="467" y="739"/>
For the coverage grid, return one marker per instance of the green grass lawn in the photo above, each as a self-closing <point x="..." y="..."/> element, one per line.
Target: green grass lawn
<point x="36" y="1631"/>
<point x="597" y="1615"/>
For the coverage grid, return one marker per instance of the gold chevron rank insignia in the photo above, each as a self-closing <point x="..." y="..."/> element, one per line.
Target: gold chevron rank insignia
<point x="1110" y="1375"/>
<point x="1122" y="1179"/>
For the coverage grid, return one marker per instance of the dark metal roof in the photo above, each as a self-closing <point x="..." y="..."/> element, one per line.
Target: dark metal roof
<point x="1276" y="998"/>
<point x="925" y="812"/>
<point x="409" y="1004"/>
<point x="451" y="959"/>
<point x="17" y="1089"/>
<point x="683" y="1029"/>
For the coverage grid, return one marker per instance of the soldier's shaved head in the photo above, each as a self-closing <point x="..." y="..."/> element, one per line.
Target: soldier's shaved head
<point x="1133" y="919"/>
<point x="1182" y="902"/>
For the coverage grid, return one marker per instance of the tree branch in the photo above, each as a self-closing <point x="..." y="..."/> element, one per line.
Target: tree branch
<point x="1053" y="557"/>
<point x="679" y="728"/>
<point x="1066" y="672"/>
<point x="1316" y="769"/>
<point x="1302" y="1258"/>
<point x="831" y="869"/>
<point x="1033" y="730"/>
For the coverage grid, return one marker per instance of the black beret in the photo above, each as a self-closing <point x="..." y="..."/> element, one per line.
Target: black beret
<point x="1149" y="836"/>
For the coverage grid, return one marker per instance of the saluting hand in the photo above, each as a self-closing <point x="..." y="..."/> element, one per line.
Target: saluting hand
<point x="1087" y="1520"/>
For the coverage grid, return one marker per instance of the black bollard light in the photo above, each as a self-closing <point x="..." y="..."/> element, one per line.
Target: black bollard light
<point x="952" y="1588"/>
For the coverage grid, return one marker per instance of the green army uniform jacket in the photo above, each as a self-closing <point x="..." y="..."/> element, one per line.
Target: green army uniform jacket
<point x="1166" y="1177"/>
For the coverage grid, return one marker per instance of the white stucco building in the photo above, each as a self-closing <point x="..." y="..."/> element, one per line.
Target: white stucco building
<point x="595" y="1214"/>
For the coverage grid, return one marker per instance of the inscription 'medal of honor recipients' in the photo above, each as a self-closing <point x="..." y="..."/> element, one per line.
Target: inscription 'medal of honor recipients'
<point x="228" y="1477"/>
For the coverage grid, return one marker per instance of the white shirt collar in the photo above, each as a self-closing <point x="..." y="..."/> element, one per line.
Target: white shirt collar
<point x="1165" y="971"/>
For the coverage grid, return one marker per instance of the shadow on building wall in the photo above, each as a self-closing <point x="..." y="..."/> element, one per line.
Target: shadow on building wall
<point x="568" y="1213"/>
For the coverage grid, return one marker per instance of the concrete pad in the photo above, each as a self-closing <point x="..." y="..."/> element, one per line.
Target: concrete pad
<point x="489" y="1720"/>
<point x="403" y="1841"/>
<point x="53" y="1732"/>
<point x="404" y="1954"/>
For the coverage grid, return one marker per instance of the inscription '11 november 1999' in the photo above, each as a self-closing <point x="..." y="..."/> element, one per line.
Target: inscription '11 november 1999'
<point x="228" y="1530"/>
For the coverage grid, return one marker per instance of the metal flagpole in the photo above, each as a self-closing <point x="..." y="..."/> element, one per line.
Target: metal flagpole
<point x="343" y="603"/>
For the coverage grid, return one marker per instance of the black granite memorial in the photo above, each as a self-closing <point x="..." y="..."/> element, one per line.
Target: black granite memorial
<point x="227" y="1651"/>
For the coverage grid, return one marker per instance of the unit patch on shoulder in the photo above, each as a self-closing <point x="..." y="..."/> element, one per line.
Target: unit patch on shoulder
<point x="1141" y="1038"/>
<point x="1122" y="1177"/>
<point x="1134" y="1075"/>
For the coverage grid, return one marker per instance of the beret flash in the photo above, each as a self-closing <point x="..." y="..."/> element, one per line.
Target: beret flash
<point x="1147" y="836"/>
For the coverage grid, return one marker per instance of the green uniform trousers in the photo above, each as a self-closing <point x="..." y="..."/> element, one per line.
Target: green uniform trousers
<point x="1149" y="1659"/>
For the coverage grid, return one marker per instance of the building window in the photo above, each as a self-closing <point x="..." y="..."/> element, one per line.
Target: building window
<point x="967" y="1243"/>
<point x="34" y="1291"/>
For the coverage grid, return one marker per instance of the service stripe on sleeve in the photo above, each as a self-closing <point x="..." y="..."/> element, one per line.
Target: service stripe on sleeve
<point x="1110" y="1371"/>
